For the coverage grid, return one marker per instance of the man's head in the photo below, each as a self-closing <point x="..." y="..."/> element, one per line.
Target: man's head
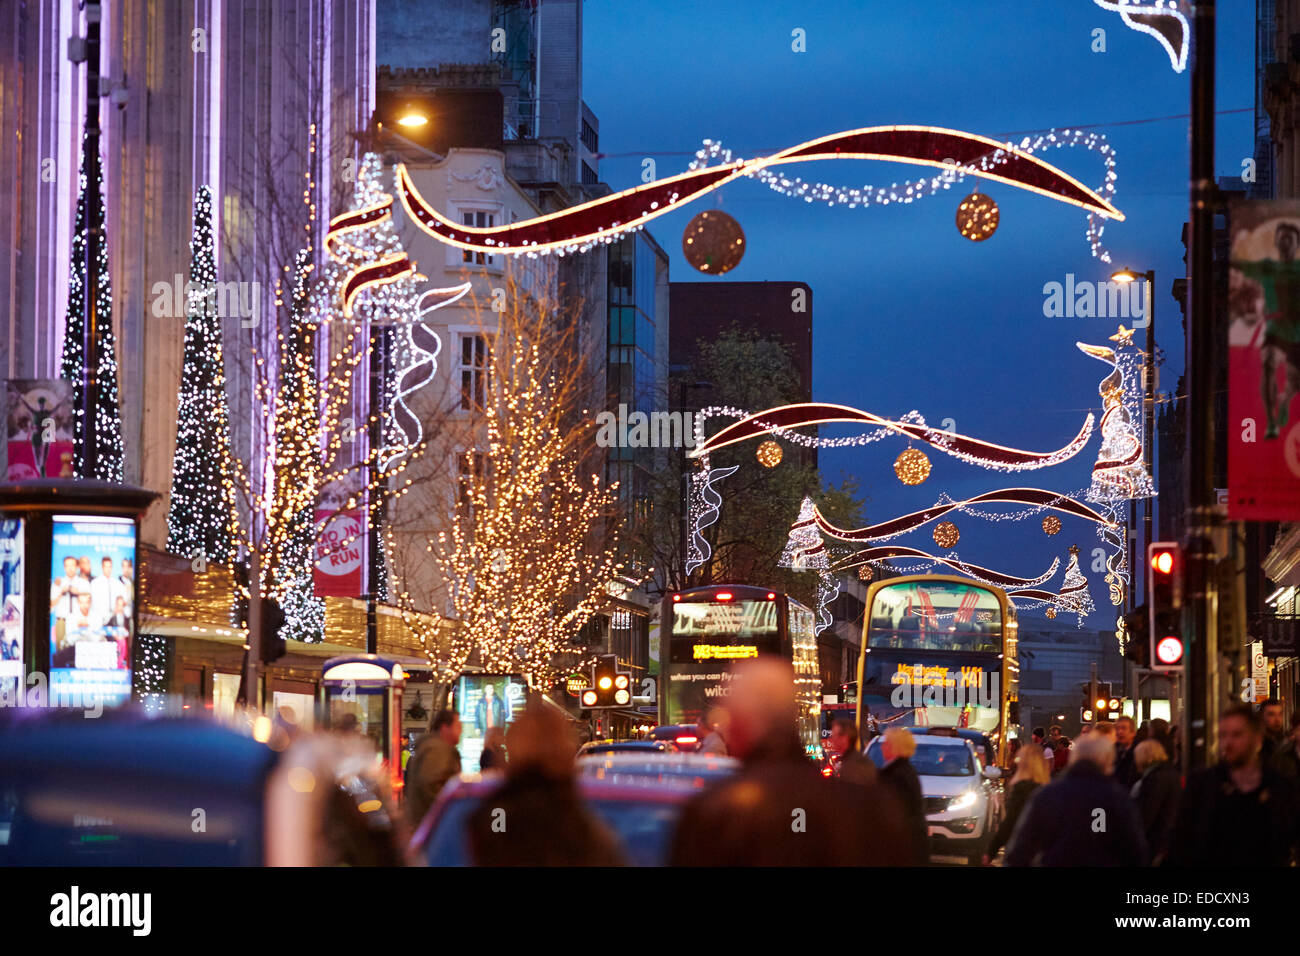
<point x="1271" y="713"/>
<point x="446" y="724"/>
<point x="69" y="567"/>
<point x="1106" y="728"/>
<point x="1039" y="735"/>
<point x="897" y="743"/>
<point x="126" y="567"/>
<point x="844" y="736"/>
<point x="1125" y="731"/>
<point x="1287" y="240"/>
<point x="489" y="692"/>
<point x="1241" y="734"/>
<point x="106" y="567"/>
<point x="83" y="566"/>
<point x="762" y="704"/>
<point x="83" y="602"/>
<point x="1054" y="732"/>
<point x="1096" y="749"/>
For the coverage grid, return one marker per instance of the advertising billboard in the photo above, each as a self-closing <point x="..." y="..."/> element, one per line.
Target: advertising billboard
<point x="486" y="702"/>
<point x="707" y="637"/>
<point x="1263" y="430"/>
<point x="340" y="547"/>
<point x="92" y="609"/>
<point x="11" y="607"/>
<point x="39" y="429"/>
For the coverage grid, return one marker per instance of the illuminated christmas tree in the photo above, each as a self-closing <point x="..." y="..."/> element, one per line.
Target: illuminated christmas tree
<point x="107" y="465"/>
<point x="1074" y="597"/>
<point x="201" y="514"/>
<point x="805" y="549"/>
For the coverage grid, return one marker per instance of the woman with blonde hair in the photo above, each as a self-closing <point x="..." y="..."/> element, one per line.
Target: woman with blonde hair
<point x="1157" y="792"/>
<point x="1031" y="773"/>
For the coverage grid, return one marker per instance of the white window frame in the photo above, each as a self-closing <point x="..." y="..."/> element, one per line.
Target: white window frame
<point x="457" y="333"/>
<point x="456" y="256"/>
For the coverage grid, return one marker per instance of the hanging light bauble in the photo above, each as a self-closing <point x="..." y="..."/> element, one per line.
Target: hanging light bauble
<point x="946" y="534"/>
<point x="769" y="454"/>
<point x="1051" y="524"/>
<point x="713" y="242"/>
<point x="912" y="466"/>
<point x="977" y="217"/>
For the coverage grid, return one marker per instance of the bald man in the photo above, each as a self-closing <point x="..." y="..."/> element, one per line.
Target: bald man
<point x="779" y="810"/>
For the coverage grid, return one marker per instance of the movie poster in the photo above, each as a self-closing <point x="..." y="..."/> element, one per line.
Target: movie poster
<point x="40" y="424"/>
<point x="1263" y="428"/>
<point x="92" y="609"/>
<point x="486" y="702"/>
<point x="11" y="607"/>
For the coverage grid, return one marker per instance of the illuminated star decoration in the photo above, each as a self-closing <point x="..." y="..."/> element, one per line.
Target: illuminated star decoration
<point x="602" y="220"/>
<point x="1162" y="19"/>
<point x="1123" y="336"/>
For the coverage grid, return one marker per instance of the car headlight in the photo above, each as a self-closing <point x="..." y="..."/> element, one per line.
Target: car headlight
<point x="962" y="801"/>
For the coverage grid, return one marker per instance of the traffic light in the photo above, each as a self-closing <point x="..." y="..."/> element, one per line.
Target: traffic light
<point x="1164" y="605"/>
<point x="1088" y="710"/>
<point x="1138" y="627"/>
<point x="272" y="624"/>
<point x="609" y="687"/>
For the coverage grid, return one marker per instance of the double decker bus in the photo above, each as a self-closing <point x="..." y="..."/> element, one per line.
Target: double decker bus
<point x="940" y="651"/>
<point x="710" y="628"/>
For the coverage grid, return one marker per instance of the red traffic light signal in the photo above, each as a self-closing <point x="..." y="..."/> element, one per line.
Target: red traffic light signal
<point x="1164" y="605"/>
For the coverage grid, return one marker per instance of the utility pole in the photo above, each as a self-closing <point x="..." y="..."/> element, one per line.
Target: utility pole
<point x="253" y="659"/>
<point x="375" y="513"/>
<point x="1198" y="594"/>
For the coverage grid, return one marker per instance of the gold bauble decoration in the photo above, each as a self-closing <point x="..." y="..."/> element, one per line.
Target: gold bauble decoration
<point x="1051" y="524"/>
<point x="769" y="454"/>
<point x="864" y="572"/>
<point x="912" y="467"/>
<point x="977" y="217"/>
<point x="1051" y="612"/>
<point x="946" y="534"/>
<point x="713" y="242"/>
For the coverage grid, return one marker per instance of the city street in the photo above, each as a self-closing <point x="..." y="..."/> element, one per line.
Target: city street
<point x="637" y="433"/>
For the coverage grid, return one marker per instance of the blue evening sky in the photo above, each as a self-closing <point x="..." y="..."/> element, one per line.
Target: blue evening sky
<point x="906" y="313"/>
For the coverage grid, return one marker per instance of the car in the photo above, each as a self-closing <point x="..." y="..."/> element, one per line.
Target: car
<point x="982" y="741"/>
<point x="640" y="799"/>
<point x="125" y="789"/>
<point x="686" y="737"/>
<point x="625" y="746"/>
<point x="959" y="795"/>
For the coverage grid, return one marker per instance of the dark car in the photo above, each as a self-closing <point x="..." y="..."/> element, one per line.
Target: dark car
<point x="625" y="746"/>
<point x="126" y="790"/>
<point x="639" y="798"/>
<point x="685" y="737"/>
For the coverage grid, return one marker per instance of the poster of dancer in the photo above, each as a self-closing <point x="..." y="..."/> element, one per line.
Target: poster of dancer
<point x="40" y="429"/>
<point x="1263" y="428"/>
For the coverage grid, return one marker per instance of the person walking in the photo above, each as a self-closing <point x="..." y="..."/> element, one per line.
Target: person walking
<point x="536" y="816"/>
<point x="715" y="741"/>
<point x="1126" y="771"/>
<point x="1275" y="735"/>
<point x="436" y="760"/>
<point x="1241" y="811"/>
<point x="1286" y="760"/>
<point x="778" y="810"/>
<point x="1060" y="754"/>
<point x="1156" y="792"/>
<point x="850" y="763"/>
<point x="897" y="747"/>
<point x="1032" y="772"/>
<point x="1083" y="818"/>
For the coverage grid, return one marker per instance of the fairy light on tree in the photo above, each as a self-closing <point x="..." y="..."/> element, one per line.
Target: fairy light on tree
<point x="107" y="465"/>
<point x="201" y="512"/>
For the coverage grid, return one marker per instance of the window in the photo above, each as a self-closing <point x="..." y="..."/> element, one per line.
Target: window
<point x="480" y="219"/>
<point x="588" y="175"/>
<point x="471" y="366"/>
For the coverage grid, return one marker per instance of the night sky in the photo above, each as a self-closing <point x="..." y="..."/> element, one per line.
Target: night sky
<point x="906" y="313"/>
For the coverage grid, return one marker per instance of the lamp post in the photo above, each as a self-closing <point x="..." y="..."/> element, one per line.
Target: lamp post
<point x="1148" y="416"/>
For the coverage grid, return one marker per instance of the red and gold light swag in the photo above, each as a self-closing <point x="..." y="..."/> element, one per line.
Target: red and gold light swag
<point x="609" y="216"/>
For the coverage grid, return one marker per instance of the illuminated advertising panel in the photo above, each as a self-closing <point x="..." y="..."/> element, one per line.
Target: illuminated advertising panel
<point x="486" y="702"/>
<point x="11" y="607"/>
<point x="92" y="609"/>
<point x="707" y="637"/>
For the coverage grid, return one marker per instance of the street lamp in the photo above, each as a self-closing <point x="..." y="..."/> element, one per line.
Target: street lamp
<point x="1127" y="275"/>
<point x="412" y="119"/>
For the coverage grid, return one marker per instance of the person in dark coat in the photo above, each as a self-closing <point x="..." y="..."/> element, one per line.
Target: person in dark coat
<point x="901" y="777"/>
<point x="1157" y="792"/>
<point x="436" y="761"/>
<point x="1275" y="736"/>
<point x="1032" y="771"/>
<point x="1126" y="771"/>
<point x="1083" y="818"/>
<point x="536" y="817"/>
<point x="1286" y="760"/>
<point x="778" y="810"/>
<point x="850" y="763"/>
<point x="1241" y="811"/>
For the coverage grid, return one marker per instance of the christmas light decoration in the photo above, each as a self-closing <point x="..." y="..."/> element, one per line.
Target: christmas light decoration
<point x="1119" y="471"/>
<point x="713" y="242"/>
<point x="1051" y="525"/>
<point x="201" y="515"/>
<point x="946" y="534"/>
<point x="108" y="463"/>
<point x="1051" y="613"/>
<point x="912" y="466"/>
<point x="601" y="220"/>
<point x="769" y="454"/>
<point x="977" y="217"/>
<point x="804" y="549"/>
<point x="864" y="573"/>
<point x="1074" y="597"/>
<point x="1162" y="19"/>
<point x="1008" y="582"/>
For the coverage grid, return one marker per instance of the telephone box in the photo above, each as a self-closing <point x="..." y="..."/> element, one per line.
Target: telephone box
<point x="363" y="694"/>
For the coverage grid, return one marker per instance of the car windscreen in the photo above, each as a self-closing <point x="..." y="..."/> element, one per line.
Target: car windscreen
<point x="644" y="830"/>
<point x="931" y="760"/>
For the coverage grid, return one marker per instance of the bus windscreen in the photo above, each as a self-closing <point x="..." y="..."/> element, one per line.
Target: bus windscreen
<point x="935" y="616"/>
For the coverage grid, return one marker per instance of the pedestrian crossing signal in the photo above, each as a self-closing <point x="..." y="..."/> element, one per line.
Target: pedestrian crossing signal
<point x="610" y="687"/>
<point x="1164" y="605"/>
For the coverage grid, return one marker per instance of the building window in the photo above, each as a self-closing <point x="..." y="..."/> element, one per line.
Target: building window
<point x="589" y="137"/>
<point x="588" y="175"/>
<point x="480" y="219"/>
<point x="471" y="366"/>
